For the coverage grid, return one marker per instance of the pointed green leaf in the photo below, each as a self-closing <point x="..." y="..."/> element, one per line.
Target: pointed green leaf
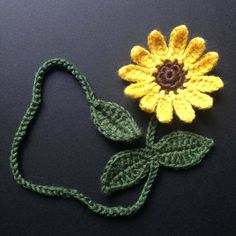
<point x="125" y="169"/>
<point x="182" y="149"/>
<point x="114" y="122"/>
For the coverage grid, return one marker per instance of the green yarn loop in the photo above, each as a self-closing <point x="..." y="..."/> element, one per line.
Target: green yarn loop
<point x="99" y="113"/>
<point x="125" y="169"/>
<point x="111" y="120"/>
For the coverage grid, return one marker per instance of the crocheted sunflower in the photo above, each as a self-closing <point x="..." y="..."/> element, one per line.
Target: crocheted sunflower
<point x="172" y="78"/>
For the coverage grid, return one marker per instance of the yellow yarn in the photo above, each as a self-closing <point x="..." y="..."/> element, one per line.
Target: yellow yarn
<point x="164" y="109"/>
<point x="178" y="41"/>
<point x="183" y="108"/>
<point x="134" y="73"/>
<point x="172" y="78"/>
<point x="138" y="90"/>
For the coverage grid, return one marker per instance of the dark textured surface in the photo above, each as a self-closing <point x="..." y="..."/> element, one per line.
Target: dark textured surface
<point x="64" y="148"/>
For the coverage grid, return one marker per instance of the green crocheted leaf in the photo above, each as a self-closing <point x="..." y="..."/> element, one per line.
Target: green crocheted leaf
<point x="124" y="170"/>
<point x="114" y="122"/>
<point x="182" y="149"/>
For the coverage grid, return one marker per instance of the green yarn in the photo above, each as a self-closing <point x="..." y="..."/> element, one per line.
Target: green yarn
<point x="151" y="131"/>
<point x="125" y="169"/>
<point x="177" y="150"/>
<point x="181" y="150"/>
<point x="114" y="122"/>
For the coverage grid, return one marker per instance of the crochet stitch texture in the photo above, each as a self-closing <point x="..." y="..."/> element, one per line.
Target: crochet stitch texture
<point x="176" y="150"/>
<point x="172" y="78"/>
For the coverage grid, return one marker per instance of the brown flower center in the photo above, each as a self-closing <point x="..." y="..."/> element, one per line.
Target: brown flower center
<point x="170" y="76"/>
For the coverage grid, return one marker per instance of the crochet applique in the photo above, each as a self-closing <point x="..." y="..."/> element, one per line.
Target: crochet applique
<point x="176" y="150"/>
<point x="174" y="78"/>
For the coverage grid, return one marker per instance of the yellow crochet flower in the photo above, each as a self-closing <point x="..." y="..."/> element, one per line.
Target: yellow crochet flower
<point x="172" y="78"/>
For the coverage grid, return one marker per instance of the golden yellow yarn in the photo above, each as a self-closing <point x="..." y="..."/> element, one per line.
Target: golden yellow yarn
<point x="181" y="96"/>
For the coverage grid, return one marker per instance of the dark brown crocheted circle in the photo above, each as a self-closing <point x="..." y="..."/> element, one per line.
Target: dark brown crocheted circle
<point x="170" y="76"/>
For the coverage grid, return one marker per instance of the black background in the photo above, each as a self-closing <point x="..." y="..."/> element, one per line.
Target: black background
<point x="64" y="147"/>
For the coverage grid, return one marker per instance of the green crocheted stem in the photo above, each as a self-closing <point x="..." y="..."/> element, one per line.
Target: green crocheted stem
<point x="111" y="120"/>
<point x="151" y="131"/>
<point x="64" y="64"/>
<point x="61" y="191"/>
<point x="177" y="150"/>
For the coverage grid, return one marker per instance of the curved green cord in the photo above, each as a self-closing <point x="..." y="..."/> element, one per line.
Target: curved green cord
<point x="67" y="192"/>
<point x="151" y="131"/>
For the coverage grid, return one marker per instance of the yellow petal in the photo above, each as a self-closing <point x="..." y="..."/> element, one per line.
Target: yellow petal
<point x="148" y="103"/>
<point x="138" y="90"/>
<point x="204" y="64"/>
<point x="157" y="43"/>
<point x="183" y="108"/>
<point x="164" y="110"/>
<point x="196" y="98"/>
<point x="193" y="51"/>
<point x="134" y="73"/>
<point x="178" y="41"/>
<point x="206" y="83"/>
<point x="142" y="57"/>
